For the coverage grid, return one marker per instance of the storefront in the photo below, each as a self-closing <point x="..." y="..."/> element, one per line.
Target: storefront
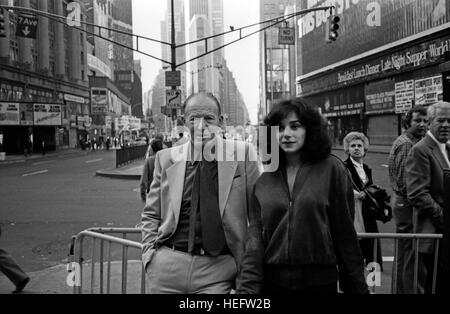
<point x="387" y="84"/>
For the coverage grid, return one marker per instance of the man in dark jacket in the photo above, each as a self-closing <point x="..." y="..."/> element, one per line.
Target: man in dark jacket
<point x="425" y="185"/>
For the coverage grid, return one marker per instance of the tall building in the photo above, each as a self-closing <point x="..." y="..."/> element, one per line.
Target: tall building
<point x="195" y="19"/>
<point x="388" y="58"/>
<point x="204" y="18"/>
<point x="44" y="88"/>
<point x="122" y="20"/>
<point x="233" y="109"/>
<point x="277" y="76"/>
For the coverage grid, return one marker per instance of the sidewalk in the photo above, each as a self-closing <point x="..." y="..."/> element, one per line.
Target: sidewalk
<point x="15" y="159"/>
<point x="133" y="171"/>
<point x="54" y="280"/>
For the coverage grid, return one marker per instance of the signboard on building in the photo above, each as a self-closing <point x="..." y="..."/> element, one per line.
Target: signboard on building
<point x="73" y="98"/>
<point x="26" y="114"/>
<point x="286" y="36"/>
<point x="27" y="26"/>
<point x="173" y="78"/>
<point x="47" y="115"/>
<point x="428" y="91"/>
<point x="98" y="65"/>
<point x="365" y="25"/>
<point x="404" y="96"/>
<point x="108" y="122"/>
<point x="99" y="103"/>
<point x="173" y="98"/>
<point x="345" y="102"/>
<point x="405" y="60"/>
<point x="380" y="97"/>
<point x="9" y="113"/>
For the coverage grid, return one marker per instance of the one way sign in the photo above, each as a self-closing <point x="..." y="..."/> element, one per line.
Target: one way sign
<point x="26" y="26"/>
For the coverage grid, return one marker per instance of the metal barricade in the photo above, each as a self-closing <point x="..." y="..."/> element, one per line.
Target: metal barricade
<point x="104" y="236"/>
<point x="127" y="155"/>
<point x="416" y="238"/>
<point x="108" y="237"/>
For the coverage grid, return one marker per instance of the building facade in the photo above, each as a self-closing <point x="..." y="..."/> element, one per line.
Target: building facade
<point x="277" y="62"/>
<point x="44" y="85"/>
<point x="387" y="59"/>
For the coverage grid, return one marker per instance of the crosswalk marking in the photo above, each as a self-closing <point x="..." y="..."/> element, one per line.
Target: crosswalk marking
<point x="35" y="173"/>
<point x="95" y="160"/>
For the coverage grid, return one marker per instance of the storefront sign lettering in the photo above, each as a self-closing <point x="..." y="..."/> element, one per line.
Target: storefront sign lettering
<point x="396" y="62"/>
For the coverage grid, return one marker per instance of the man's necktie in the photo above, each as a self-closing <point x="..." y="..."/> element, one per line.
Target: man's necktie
<point x="213" y="236"/>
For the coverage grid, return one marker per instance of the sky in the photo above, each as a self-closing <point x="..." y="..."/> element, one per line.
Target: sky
<point x="242" y="57"/>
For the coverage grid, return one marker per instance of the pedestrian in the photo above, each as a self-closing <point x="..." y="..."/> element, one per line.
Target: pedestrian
<point x="303" y="239"/>
<point x="13" y="271"/>
<point x="356" y="146"/>
<point x="415" y="126"/>
<point x="43" y="147"/>
<point x="194" y="224"/>
<point x="425" y="187"/>
<point x="149" y="168"/>
<point x="108" y="143"/>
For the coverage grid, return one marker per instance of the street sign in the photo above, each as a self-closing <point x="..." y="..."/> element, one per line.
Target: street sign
<point x="173" y="78"/>
<point x="286" y="36"/>
<point x="26" y="26"/>
<point x="173" y="99"/>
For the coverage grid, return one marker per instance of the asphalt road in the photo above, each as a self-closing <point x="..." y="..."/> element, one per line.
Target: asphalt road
<point x="44" y="203"/>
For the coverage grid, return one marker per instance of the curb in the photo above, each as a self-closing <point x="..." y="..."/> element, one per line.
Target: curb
<point x="121" y="176"/>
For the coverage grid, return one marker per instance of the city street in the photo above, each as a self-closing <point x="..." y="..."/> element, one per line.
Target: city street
<point x="44" y="203"/>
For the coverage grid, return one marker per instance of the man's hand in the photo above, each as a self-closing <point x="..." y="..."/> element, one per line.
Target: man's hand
<point x="362" y="195"/>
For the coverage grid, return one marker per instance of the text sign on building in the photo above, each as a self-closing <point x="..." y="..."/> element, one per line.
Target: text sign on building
<point x="26" y="114"/>
<point x="428" y="90"/>
<point x="286" y="36"/>
<point x="26" y="26"/>
<point x="173" y="78"/>
<point x="9" y="113"/>
<point x="173" y="98"/>
<point x="404" y="96"/>
<point x="47" y="114"/>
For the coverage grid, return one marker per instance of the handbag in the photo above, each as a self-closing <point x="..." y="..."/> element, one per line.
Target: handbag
<point x="378" y="202"/>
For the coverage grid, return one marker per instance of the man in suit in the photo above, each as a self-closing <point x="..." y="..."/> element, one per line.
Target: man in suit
<point x="195" y="220"/>
<point x="425" y="187"/>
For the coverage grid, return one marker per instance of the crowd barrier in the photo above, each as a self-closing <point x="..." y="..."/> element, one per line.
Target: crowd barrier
<point x="102" y="239"/>
<point x="126" y="155"/>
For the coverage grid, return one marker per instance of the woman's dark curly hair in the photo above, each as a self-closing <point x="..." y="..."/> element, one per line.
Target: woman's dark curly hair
<point x="317" y="142"/>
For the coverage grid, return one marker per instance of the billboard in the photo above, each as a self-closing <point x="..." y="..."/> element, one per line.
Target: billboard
<point x="26" y="114"/>
<point x="47" y="115"/>
<point x="99" y="104"/>
<point x="364" y="26"/>
<point x="9" y="113"/>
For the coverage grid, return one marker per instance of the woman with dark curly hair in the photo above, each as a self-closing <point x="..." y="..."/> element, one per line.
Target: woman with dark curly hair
<point x="301" y="239"/>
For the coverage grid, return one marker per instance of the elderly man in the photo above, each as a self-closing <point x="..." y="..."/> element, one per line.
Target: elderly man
<point x="425" y="186"/>
<point x="195" y="221"/>
<point x="415" y="126"/>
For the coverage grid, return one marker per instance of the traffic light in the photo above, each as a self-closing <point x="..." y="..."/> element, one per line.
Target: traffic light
<point x="2" y="23"/>
<point x="332" y="28"/>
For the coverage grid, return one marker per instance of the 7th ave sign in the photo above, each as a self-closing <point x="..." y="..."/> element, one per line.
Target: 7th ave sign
<point x="26" y="26"/>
